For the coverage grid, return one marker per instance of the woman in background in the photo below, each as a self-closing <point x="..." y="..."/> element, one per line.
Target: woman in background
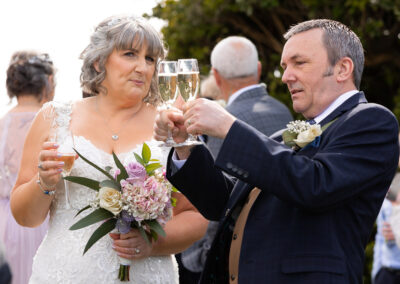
<point x="30" y="79"/>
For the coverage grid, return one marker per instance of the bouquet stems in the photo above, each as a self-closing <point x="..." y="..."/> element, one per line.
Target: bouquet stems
<point x="123" y="274"/>
<point x="124" y="264"/>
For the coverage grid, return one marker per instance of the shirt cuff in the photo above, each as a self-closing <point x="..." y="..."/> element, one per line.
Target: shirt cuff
<point x="178" y="163"/>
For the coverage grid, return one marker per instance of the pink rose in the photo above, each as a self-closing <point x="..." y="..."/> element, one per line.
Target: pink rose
<point x="135" y="172"/>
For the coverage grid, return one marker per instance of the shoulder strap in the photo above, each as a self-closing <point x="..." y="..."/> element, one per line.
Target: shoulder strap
<point x="60" y="114"/>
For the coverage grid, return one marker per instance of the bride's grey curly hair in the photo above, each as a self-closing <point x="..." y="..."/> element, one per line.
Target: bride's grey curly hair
<point x="119" y="32"/>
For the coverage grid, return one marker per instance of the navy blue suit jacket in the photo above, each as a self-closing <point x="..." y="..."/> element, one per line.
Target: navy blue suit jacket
<point x="314" y="215"/>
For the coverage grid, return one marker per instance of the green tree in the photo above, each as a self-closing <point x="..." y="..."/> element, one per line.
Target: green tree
<point x="195" y="26"/>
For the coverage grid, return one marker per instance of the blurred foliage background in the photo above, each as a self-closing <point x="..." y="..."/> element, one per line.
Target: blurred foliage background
<point x="195" y="26"/>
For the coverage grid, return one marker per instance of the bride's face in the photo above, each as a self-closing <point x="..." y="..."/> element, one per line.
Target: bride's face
<point x="129" y="72"/>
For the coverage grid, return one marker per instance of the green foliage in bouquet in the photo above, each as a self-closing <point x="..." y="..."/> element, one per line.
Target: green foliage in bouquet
<point x="154" y="229"/>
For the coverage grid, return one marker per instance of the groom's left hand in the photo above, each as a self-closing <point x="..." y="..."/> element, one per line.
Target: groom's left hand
<point x="131" y="245"/>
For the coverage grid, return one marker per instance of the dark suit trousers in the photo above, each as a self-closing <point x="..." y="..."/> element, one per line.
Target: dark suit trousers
<point x="385" y="276"/>
<point x="185" y="275"/>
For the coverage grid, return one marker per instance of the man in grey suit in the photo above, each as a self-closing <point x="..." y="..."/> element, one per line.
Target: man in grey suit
<point x="237" y="73"/>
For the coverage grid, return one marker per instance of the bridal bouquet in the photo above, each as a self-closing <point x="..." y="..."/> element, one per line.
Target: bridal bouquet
<point x="136" y="195"/>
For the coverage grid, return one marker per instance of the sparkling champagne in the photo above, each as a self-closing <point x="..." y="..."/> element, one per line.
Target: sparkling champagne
<point x="167" y="87"/>
<point x="188" y="83"/>
<point x="68" y="159"/>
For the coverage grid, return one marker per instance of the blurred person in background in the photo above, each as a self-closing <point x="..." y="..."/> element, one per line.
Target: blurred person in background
<point x="237" y="72"/>
<point x="209" y="90"/>
<point x="386" y="264"/>
<point x="30" y="79"/>
<point x="5" y="273"/>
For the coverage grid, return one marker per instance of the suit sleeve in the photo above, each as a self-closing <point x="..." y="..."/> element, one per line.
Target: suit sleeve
<point x="202" y="183"/>
<point x="358" y="152"/>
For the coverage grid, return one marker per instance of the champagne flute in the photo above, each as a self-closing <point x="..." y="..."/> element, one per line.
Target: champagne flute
<point x="167" y="79"/>
<point x="66" y="154"/>
<point x="68" y="159"/>
<point x="188" y="83"/>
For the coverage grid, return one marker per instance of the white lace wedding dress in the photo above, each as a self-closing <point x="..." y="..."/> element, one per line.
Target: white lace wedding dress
<point x="59" y="258"/>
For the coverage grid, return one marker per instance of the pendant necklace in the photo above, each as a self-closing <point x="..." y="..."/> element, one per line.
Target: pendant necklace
<point x="114" y="135"/>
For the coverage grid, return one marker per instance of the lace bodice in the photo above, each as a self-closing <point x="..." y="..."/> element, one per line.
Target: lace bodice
<point x="59" y="258"/>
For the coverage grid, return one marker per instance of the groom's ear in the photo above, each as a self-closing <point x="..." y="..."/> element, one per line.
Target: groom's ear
<point x="344" y="69"/>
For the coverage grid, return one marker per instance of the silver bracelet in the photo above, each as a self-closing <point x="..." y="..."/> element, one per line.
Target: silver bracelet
<point x="45" y="191"/>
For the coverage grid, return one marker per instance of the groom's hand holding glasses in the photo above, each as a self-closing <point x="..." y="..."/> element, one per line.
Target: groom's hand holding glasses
<point x="200" y="116"/>
<point x="207" y="117"/>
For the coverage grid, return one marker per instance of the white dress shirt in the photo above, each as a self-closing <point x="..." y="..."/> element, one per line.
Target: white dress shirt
<point x="336" y="103"/>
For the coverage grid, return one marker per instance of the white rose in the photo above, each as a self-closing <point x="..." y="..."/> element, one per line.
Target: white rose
<point x="308" y="136"/>
<point x="110" y="199"/>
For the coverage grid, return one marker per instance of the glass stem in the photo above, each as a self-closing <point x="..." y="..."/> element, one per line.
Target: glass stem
<point x="192" y="137"/>
<point x="169" y="137"/>
<point x="66" y="187"/>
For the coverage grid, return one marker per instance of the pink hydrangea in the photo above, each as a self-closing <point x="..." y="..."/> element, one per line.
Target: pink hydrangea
<point x="147" y="200"/>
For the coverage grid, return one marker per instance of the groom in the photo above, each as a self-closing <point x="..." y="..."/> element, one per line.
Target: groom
<point x="301" y="215"/>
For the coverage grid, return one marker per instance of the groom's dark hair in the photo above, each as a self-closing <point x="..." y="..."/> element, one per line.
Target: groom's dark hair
<point x="339" y="41"/>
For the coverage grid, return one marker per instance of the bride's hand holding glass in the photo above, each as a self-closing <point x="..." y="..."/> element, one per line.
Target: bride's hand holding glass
<point x="170" y="122"/>
<point x="49" y="167"/>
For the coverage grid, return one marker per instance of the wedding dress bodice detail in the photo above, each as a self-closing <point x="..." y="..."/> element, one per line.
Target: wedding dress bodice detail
<point x="59" y="258"/>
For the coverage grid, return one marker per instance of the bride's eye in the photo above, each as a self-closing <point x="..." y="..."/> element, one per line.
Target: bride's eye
<point x="150" y="59"/>
<point x="130" y="53"/>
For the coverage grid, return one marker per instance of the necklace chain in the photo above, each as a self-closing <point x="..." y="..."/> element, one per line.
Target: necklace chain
<point x="114" y="135"/>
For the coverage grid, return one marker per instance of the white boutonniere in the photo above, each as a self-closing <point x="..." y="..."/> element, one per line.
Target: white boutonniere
<point x="300" y="133"/>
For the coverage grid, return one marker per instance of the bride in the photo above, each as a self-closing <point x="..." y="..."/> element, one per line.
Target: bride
<point x="120" y="72"/>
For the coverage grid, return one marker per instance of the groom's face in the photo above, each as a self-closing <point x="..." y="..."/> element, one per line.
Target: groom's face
<point x="307" y="72"/>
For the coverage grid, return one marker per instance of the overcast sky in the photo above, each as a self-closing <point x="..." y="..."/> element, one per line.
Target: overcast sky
<point x="61" y="29"/>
